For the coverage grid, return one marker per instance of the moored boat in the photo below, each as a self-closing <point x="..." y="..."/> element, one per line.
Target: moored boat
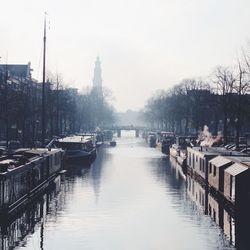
<point x="174" y="150"/>
<point x="25" y="173"/>
<point x="151" y="139"/>
<point x="112" y="143"/>
<point x="179" y="149"/>
<point x="166" y="139"/>
<point x="78" y="148"/>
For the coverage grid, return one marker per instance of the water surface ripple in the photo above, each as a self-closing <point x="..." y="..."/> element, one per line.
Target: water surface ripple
<point x="131" y="198"/>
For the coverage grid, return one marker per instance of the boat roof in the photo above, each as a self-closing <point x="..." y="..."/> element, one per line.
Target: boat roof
<point x="37" y="151"/>
<point x="167" y="133"/>
<point x="42" y="151"/>
<point x="242" y="159"/>
<point x="207" y="151"/>
<point x="220" y="161"/>
<point x="236" y="169"/>
<point x="76" y="139"/>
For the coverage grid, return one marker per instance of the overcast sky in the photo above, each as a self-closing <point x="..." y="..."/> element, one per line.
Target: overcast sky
<point x="144" y="45"/>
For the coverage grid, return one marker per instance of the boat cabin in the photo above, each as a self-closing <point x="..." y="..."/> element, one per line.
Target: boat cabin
<point x="25" y="172"/>
<point x="216" y="172"/>
<point x="199" y="157"/>
<point x="76" y="143"/>
<point x="236" y="183"/>
<point x="217" y="167"/>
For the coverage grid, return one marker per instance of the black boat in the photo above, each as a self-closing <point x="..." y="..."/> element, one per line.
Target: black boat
<point x="79" y="148"/>
<point x="25" y="173"/>
<point x="112" y="143"/>
<point x="166" y="139"/>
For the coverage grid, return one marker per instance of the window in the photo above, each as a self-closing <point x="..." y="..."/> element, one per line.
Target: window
<point x="214" y="171"/>
<point x="214" y="214"/>
<point x="210" y="168"/>
<point x="232" y="191"/>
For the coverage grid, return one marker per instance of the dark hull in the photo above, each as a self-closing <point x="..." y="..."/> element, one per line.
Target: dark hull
<point x="165" y="148"/>
<point x="81" y="157"/>
<point x="112" y="143"/>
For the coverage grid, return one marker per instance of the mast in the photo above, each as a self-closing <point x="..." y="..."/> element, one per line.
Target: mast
<point x="43" y="86"/>
<point x="57" y="106"/>
<point x="6" y="102"/>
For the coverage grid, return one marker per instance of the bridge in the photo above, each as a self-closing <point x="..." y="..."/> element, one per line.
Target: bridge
<point x="118" y="129"/>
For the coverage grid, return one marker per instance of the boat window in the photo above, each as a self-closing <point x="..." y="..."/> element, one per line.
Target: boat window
<point x="232" y="191"/>
<point x="214" y="171"/>
<point x="214" y="214"/>
<point x="210" y="168"/>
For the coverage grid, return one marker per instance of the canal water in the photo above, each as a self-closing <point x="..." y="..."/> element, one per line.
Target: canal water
<point x="131" y="198"/>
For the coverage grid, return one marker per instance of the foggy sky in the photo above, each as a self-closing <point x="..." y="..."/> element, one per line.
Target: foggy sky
<point x="143" y="45"/>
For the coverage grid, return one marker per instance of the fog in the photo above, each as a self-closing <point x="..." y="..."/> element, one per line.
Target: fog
<point x="143" y="45"/>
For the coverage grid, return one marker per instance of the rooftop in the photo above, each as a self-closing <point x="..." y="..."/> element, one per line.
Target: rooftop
<point x="236" y="169"/>
<point x="240" y="159"/>
<point x="220" y="161"/>
<point x="216" y="151"/>
<point x="76" y="139"/>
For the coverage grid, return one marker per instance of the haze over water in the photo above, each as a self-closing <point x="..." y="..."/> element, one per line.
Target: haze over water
<point x="131" y="198"/>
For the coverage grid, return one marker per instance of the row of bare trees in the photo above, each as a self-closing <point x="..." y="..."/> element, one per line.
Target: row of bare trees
<point x="67" y="109"/>
<point x="222" y="102"/>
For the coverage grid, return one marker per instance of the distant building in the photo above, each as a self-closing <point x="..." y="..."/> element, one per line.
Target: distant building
<point x="16" y="70"/>
<point x="97" y="80"/>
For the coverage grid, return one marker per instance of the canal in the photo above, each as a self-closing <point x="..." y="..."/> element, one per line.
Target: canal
<point x="131" y="198"/>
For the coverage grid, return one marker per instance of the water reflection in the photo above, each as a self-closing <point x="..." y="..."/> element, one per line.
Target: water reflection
<point x="233" y="223"/>
<point x="97" y="169"/>
<point x="15" y="229"/>
<point x="132" y="197"/>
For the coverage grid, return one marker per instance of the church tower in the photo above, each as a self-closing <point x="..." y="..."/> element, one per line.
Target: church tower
<point x="97" y="80"/>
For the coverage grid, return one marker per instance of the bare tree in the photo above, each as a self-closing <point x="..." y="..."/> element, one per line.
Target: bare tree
<point x="225" y="80"/>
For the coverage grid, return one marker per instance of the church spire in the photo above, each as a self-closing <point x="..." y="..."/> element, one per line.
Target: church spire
<point x="97" y="80"/>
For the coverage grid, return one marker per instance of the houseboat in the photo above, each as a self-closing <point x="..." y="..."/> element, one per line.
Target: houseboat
<point x="216" y="172"/>
<point x="234" y="223"/>
<point x="108" y="135"/>
<point x="236" y="184"/>
<point x="166" y="139"/>
<point x="174" y="150"/>
<point x="178" y="150"/>
<point x="25" y="173"/>
<point x="151" y="139"/>
<point x="112" y="143"/>
<point x="198" y="159"/>
<point x="223" y="173"/>
<point x="79" y="148"/>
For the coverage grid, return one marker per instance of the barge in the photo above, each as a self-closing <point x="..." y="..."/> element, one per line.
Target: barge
<point x="80" y="149"/>
<point x="26" y="173"/>
<point x="166" y="139"/>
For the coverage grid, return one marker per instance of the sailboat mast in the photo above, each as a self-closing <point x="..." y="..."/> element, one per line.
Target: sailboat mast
<point x="43" y="86"/>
